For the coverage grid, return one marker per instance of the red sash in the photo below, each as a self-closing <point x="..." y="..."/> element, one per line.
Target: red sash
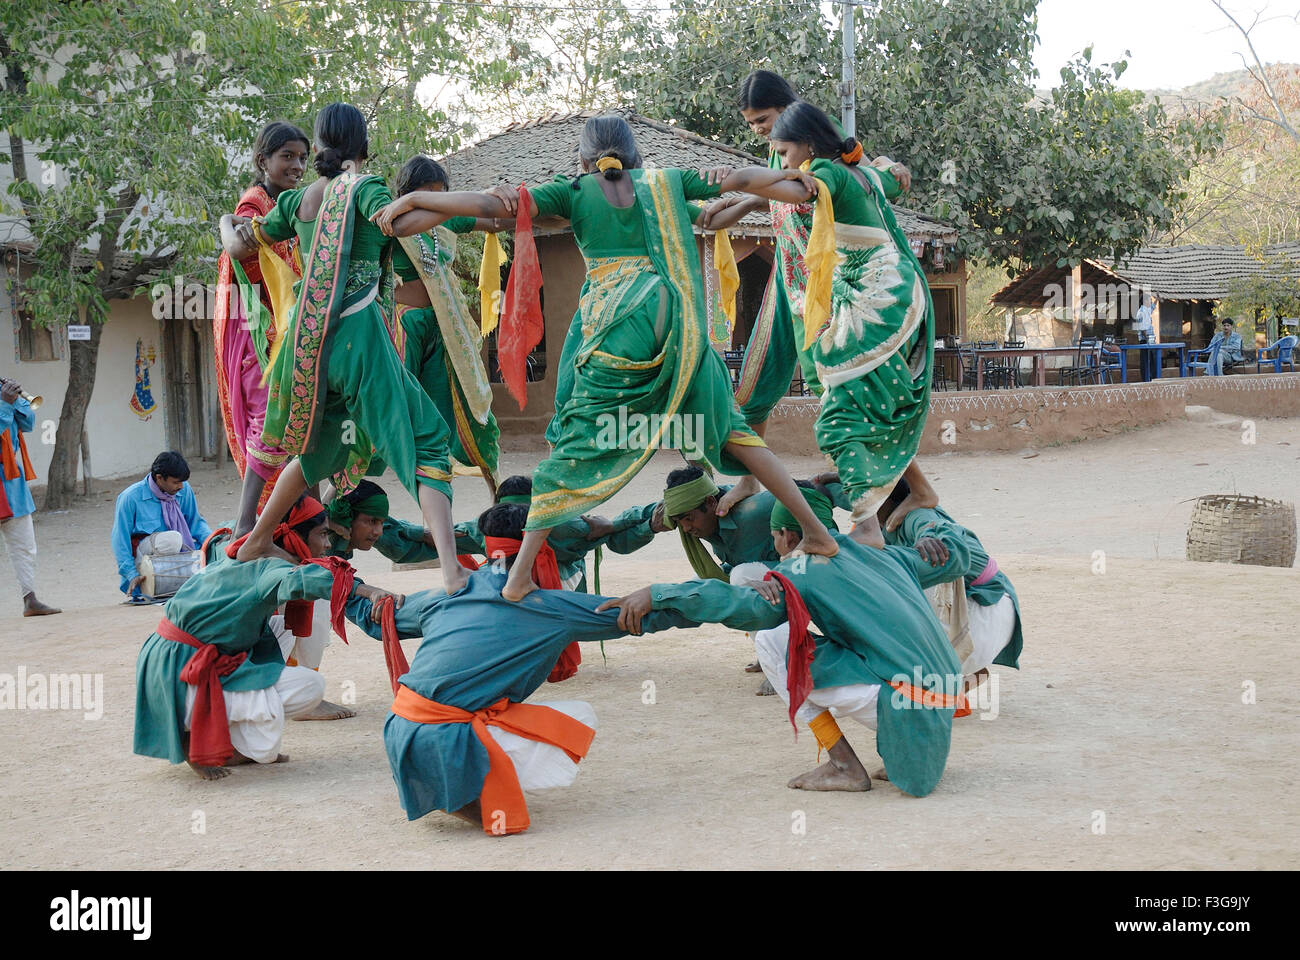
<point x="394" y="658"/>
<point x="209" y="729"/>
<point x="502" y="800"/>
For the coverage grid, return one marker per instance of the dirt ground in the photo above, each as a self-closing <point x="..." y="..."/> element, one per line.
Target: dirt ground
<point x="1152" y="725"/>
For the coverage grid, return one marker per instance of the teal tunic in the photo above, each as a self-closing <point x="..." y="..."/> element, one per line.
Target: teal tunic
<point x="227" y="604"/>
<point x="876" y="626"/>
<point x="477" y="649"/>
<point x="936" y="523"/>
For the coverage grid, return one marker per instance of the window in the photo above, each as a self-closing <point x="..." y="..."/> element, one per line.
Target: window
<point x="35" y="342"/>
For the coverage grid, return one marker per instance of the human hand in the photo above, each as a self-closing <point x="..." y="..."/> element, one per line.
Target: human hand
<point x="508" y="195"/>
<point x="806" y="179"/>
<point x="597" y="527"/>
<point x="932" y="551"/>
<point x="657" y="524"/>
<point x="632" y="608"/>
<point x="9" y="390"/>
<point x="769" y="590"/>
<point x="715" y="175"/>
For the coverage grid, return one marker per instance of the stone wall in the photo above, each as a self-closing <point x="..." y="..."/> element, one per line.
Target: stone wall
<point x="1251" y="395"/>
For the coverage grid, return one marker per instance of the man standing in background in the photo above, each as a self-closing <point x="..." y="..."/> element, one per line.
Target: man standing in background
<point x="16" y="504"/>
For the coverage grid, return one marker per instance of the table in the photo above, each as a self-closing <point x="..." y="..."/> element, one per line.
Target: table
<point x="1037" y="353"/>
<point x="1159" y="348"/>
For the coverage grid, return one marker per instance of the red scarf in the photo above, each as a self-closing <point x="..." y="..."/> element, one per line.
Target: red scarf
<point x="802" y="647"/>
<point x="394" y="658"/>
<point x="522" y="325"/>
<point x="10" y="467"/>
<point x="210" y="744"/>
<point x="546" y="573"/>
<point x="297" y="613"/>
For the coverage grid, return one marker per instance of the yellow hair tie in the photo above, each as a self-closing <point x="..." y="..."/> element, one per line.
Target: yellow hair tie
<point x="609" y="163"/>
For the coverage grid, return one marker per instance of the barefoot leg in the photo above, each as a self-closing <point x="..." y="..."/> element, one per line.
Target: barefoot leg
<point x="470" y="813"/>
<point x="867" y="532"/>
<point x="746" y="486"/>
<point x="208" y="773"/>
<point x="921" y="495"/>
<point x="249" y="494"/>
<point x="768" y="470"/>
<point x="328" y="711"/>
<point x="436" y="509"/>
<point x="520" y="582"/>
<point x="287" y="490"/>
<point x="841" y="771"/>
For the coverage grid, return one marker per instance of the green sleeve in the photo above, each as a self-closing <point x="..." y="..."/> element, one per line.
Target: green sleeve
<point x="372" y="196"/>
<point x="956" y="567"/>
<point x="837" y="178"/>
<point x="459" y="224"/>
<point x="893" y="189"/>
<point x="402" y="265"/>
<point x="554" y="199"/>
<point x="403" y="542"/>
<point x="284" y="581"/>
<point x="694" y="187"/>
<point x="712" y="601"/>
<point x="277" y="225"/>
<point x="632" y="529"/>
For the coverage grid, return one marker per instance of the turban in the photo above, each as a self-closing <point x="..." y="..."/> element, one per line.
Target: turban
<point x="783" y="519"/>
<point x="342" y="510"/>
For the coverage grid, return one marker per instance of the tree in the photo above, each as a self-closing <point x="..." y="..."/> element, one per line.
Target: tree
<point x="128" y="109"/>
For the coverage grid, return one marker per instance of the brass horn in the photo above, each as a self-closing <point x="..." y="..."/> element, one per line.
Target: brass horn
<point x="33" y="402"/>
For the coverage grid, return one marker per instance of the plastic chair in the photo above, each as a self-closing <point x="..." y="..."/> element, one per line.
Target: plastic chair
<point x="1285" y="347"/>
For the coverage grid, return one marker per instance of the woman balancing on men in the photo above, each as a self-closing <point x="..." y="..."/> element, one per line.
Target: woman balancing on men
<point x="867" y="321"/>
<point x="244" y="321"/>
<point x="644" y="346"/>
<point x="339" y="395"/>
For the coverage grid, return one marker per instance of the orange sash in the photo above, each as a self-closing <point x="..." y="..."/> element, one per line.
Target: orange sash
<point x="502" y="800"/>
<point x="10" y="462"/>
<point x="931" y="698"/>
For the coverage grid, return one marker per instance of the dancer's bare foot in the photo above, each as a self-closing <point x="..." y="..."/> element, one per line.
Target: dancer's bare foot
<point x="820" y="543"/>
<point x="867" y="532"/>
<point x="514" y="594"/>
<point x="830" y="777"/>
<point x="915" y="500"/>
<point x="754" y="667"/>
<point x="747" y="486"/>
<point x="454" y="578"/>
<point x="880" y="775"/>
<point x="34" y="608"/>
<point x="238" y="760"/>
<point x="765" y="689"/>
<point x="470" y="813"/>
<point x="328" y="711"/>
<point x="209" y="773"/>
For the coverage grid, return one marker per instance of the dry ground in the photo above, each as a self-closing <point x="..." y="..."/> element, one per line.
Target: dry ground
<point x="1129" y="704"/>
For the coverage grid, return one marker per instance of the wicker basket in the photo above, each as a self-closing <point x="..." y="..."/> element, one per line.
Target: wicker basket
<point x="1228" y="528"/>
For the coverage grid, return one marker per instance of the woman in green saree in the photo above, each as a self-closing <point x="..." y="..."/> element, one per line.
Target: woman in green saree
<point x="443" y="343"/>
<point x="643" y="375"/>
<point x="339" y="394"/>
<point x="868" y="323"/>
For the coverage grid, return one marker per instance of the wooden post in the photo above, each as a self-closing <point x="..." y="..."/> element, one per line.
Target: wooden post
<point x="1155" y="320"/>
<point x="1076" y="300"/>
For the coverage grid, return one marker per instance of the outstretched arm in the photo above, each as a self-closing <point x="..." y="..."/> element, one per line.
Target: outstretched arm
<point x="422" y="210"/>
<point x="237" y="237"/>
<point x="703" y="601"/>
<point x="784" y="186"/>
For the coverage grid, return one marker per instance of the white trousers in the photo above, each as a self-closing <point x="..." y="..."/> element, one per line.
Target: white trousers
<point x="308" y="650"/>
<point x="857" y="701"/>
<point x="541" y="766"/>
<point x="20" y="538"/>
<point x="257" y="717"/>
<point x="990" y="631"/>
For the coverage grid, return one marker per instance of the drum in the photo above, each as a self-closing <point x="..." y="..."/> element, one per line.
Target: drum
<point x="164" y="575"/>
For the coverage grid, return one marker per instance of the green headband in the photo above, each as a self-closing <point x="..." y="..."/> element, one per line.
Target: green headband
<point x="342" y="510"/>
<point x="521" y="498"/>
<point x="685" y="497"/>
<point x="783" y="519"/>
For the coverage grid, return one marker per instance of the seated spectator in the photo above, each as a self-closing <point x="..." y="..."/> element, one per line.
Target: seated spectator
<point x="1225" y="350"/>
<point x="156" y="515"/>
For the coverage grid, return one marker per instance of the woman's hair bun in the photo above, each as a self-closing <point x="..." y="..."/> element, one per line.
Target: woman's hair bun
<point x="328" y="162"/>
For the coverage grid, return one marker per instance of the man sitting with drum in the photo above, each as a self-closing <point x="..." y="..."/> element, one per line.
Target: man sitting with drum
<point x="157" y="517"/>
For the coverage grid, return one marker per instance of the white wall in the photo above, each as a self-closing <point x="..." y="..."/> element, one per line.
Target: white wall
<point x="121" y="443"/>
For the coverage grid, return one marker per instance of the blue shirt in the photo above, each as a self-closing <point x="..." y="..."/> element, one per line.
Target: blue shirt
<point x="17" y="492"/>
<point x="138" y="511"/>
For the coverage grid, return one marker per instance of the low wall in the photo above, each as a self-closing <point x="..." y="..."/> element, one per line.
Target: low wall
<point x="1261" y="395"/>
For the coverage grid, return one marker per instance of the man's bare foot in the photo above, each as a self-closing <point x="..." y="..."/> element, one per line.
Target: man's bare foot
<point x="765" y="689"/>
<point x="34" y="608"/>
<point x="754" y="667"/>
<point x="209" y="773"/>
<point x="916" y="500"/>
<point x="747" y="486"/>
<point x="819" y="543"/>
<point x="830" y="777"/>
<point x="867" y="532"/>
<point x="328" y="711"/>
<point x="880" y="775"/>
<point x="252" y="549"/>
<point x="514" y="595"/>
<point x="238" y="760"/>
<point x="454" y="578"/>
<point x="470" y="813"/>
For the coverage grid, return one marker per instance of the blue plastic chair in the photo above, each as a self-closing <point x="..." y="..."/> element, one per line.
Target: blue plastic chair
<point x="1285" y="348"/>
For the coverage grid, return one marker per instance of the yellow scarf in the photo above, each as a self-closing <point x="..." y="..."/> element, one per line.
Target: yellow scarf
<point x="820" y="260"/>
<point x="278" y="279"/>
<point x="724" y="261"/>
<point x="489" y="284"/>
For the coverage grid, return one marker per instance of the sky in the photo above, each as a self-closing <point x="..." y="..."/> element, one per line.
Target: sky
<point x="1174" y="43"/>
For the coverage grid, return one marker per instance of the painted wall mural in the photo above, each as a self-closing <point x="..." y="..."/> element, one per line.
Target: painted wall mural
<point x="142" y="402"/>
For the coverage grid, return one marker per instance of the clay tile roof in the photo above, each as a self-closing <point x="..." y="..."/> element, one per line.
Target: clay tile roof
<point x="1188" y="272"/>
<point x="535" y="151"/>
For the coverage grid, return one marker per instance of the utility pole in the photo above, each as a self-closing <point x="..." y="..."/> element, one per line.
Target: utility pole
<point x="848" y="94"/>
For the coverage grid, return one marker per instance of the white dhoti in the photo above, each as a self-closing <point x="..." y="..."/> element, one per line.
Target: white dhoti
<point x="541" y="766"/>
<point x="257" y="717"/>
<point x="305" y="651"/>
<point x="990" y="631"/>
<point x="20" y="539"/>
<point x="857" y="701"/>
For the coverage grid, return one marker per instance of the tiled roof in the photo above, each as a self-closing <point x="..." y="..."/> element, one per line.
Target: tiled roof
<point x="1189" y="272"/>
<point x="537" y="150"/>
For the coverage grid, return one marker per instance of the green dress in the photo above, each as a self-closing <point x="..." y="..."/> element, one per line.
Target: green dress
<point x="227" y="604"/>
<point x="428" y="359"/>
<point x="874" y="354"/>
<point x="876" y="627"/>
<point x="340" y="396"/>
<point x="637" y="372"/>
<point x="934" y="522"/>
